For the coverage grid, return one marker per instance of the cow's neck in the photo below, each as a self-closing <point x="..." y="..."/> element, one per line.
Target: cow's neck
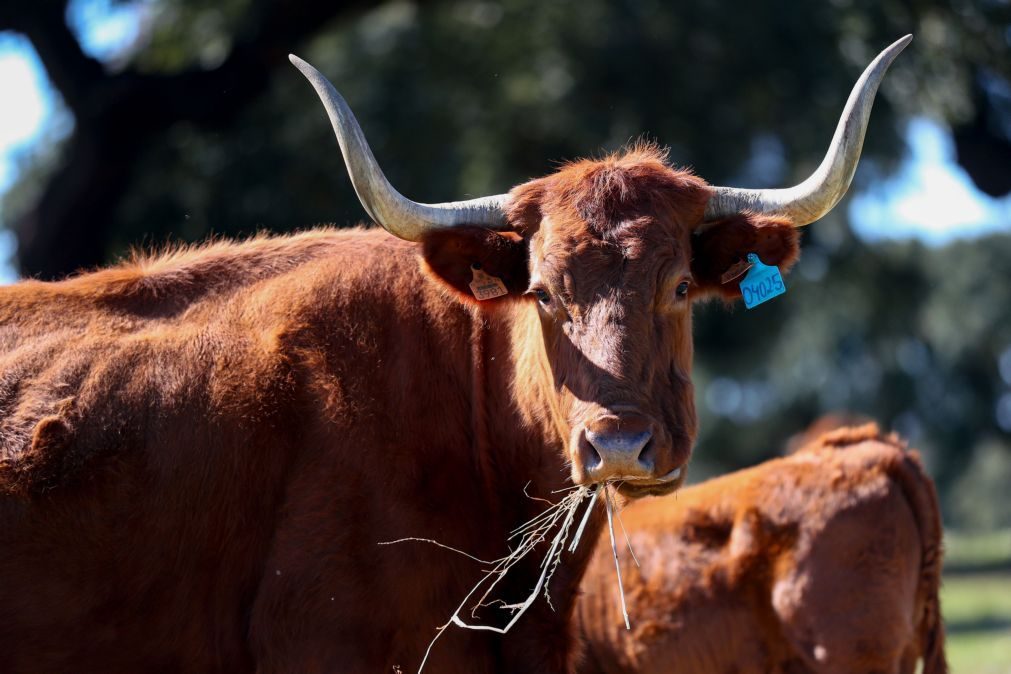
<point x="515" y="415"/>
<point x="519" y="443"/>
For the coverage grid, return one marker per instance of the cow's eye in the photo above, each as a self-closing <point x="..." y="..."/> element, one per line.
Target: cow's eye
<point x="542" y="296"/>
<point x="682" y="289"/>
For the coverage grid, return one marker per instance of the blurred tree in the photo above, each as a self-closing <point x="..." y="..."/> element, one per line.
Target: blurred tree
<point x="199" y="130"/>
<point x="119" y="116"/>
<point x="980" y="500"/>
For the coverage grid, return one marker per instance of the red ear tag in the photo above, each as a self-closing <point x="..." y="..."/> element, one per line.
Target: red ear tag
<point x="485" y="286"/>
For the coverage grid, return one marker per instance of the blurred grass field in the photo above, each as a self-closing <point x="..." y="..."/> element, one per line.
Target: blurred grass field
<point x="976" y="602"/>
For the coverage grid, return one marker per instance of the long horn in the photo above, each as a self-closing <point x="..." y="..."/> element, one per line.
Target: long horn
<point x="389" y="208"/>
<point x="816" y="196"/>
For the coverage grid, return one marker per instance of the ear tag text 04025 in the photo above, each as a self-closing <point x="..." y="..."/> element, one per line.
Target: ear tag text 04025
<point x="762" y="283"/>
<point x="485" y="286"/>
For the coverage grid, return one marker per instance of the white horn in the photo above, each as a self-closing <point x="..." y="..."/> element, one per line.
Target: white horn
<point x="816" y="196"/>
<point x="389" y="208"/>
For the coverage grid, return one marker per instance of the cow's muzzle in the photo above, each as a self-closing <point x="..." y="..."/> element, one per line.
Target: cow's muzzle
<point x="626" y="448"/>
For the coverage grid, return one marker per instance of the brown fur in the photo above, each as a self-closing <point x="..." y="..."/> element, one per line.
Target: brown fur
<point x="199" y="451"/>
<point x="825" y="561"/>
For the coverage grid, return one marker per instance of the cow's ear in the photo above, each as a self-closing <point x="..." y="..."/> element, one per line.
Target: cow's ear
<point x="720" y="249"/>
<point x="453" y="256"/>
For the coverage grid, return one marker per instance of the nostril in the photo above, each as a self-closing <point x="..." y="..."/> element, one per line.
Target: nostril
<point x="589" y="454"/>
<point x="648" y="454"/>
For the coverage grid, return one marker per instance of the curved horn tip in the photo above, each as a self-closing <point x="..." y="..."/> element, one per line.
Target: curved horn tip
<point x="813" y="198"/>
<point x="892" y="50"/>
<point x="303" y="66"/>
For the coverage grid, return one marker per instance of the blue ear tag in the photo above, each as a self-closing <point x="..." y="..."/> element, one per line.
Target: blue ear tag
<point x="761" y="284"/>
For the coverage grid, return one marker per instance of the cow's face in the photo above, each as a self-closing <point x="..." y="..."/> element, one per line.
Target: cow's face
<point x="611" y="254"/>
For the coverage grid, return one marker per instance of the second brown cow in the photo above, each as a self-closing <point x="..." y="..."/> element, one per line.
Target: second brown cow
<point x="826" y="561"/>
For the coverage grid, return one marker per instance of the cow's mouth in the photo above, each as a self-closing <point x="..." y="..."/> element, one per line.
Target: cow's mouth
<point x="658" y="487"/>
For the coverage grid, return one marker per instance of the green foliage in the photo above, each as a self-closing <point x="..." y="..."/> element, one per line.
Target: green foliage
<point x="979" y="498"/>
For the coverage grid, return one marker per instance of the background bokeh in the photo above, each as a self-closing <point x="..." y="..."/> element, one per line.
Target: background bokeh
<point x="178" y="120"/>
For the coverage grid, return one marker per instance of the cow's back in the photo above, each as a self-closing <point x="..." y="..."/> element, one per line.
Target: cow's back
<point x="813" y="562"/>
<point x="150" y="418"/>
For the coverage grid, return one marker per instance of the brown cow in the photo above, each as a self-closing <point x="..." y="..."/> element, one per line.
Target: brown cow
<point x="199" y="451"/>
<point x="826" y="561"/>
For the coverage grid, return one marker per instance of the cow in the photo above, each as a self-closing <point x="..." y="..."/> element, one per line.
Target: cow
<point x="201" y="450"/>
<point x="826" y="561"/>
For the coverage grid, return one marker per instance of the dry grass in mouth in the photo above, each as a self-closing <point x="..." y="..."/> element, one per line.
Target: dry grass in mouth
<point x="554" y="524"/>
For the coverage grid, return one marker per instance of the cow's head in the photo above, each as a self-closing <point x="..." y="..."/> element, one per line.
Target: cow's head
<point x="612" y="252"/>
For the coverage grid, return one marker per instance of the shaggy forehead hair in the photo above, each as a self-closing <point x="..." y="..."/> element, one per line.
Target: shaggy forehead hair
<point x="608" y="198"/>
